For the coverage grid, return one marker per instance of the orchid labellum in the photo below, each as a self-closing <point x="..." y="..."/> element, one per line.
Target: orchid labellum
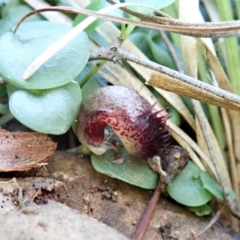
<point x="142" y="131"/>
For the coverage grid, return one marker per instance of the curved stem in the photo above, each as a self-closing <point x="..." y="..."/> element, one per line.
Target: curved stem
<point x="93" y="70"/>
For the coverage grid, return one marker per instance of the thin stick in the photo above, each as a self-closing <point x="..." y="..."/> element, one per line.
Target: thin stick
<point x="211" y="223"/>
<point x="116" y="53"/>
<point x="171" y="51"/>
<point x="206" y="30"/>
<point x="142" y="225"/>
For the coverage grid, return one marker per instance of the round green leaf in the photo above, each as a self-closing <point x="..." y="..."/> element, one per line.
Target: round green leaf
<point x="19" y="50"/>
<point x="159" y="51"/>
<point x="201" y="210"/>
<point x="186" y="188"/>
<point x="50" y="111"/>
<point x="133" y="170"/>
<point x="212" y="186"/>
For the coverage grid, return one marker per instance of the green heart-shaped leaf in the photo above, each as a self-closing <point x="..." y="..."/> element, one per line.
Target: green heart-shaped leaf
<point x="201" y="210"/>
<point x="159" y="51"/>
<point x="186" y="188"/>
<point x="19" y="50"/>
<point x="50" y="111"/>
<point x="133" y="170"/>
<point x="212" y="186"/>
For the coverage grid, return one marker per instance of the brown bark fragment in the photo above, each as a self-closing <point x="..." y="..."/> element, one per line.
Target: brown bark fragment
<point x="22" y="151"/>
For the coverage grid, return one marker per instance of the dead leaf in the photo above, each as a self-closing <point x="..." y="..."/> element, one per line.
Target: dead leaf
<point x="169" y="83"/>
<point x="21" y="151"/>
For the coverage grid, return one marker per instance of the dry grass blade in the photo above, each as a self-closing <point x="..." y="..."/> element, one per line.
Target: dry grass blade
<point x="220" y="162"/>
<point x="58" y="45"/>
<point x="177" y="102"/>
<point x="231" y="118"/>
<point x="189" y="50"/>
<point x="215" y="66"/>
<point x="175" y="85"/>
<point x="219" y="30"/>
<point x="231" y="155"/>
<point x="206" y="131"/>
<point x="235" y="127"/>
<point x="194" y="29"/>
<point x="185" y="83"/>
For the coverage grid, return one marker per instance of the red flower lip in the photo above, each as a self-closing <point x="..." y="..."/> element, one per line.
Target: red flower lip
<point x="142" y="131"/>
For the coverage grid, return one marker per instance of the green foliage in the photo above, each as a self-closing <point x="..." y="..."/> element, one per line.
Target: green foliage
<point x="133" y="170"/>
<point x="159" y="51"/>
<point x="195" y="188"/>
<point x="12" y="13"/>
<point x="48" y="111"/>
<point x="3" y="92"/>
<point x="21" y="49"/>
<point x="186" y="188"/>
<point x="53" y="2"/>
<point x="154" y="4"/>
<point x="152" y="45"/>
<point x="83" y="150"/>
<point x="3" y="97"/>
<point x="95" y="5"/>
<point x="201" y="211"/>
<point x="48" y="101"/>
<point x="211" y="185"/>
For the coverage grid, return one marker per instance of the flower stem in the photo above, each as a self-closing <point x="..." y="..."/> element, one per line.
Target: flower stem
<point x="142" y="225"/>
<point x="92" y="72"/>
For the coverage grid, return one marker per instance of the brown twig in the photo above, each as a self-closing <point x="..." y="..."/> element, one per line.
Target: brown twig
<point x="211" y="223"/>
<point x="116" y="53"/>
<point x="209" y="29"/>
<point x="37" y="193"/>
<point x="142" y="225"/>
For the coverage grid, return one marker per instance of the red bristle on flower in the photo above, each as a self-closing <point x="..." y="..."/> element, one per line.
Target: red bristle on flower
<point x="154" y="134"/>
